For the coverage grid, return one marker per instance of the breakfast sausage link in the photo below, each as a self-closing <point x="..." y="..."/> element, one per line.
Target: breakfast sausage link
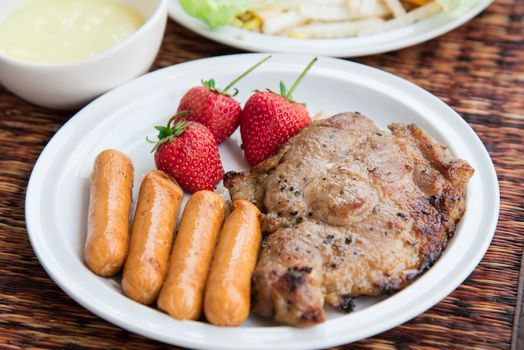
<point x="227" y="296"/>
<point x="151" y="237"/>
<point x="108" y="214"/>
<point x="183" y="291"/>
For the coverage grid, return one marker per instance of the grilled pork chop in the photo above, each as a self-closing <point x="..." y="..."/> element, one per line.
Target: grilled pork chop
<point x="351" y="210"/>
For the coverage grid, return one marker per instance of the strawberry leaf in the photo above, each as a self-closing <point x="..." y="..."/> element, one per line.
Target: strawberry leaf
<point x="283" y="89"/>
<point x="211" y="84"/>
<point x="168" y="132"/>
<point x="163" y="132"/>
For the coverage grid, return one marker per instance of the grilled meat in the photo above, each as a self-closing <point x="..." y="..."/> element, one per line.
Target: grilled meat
<point x="351" y="210"/>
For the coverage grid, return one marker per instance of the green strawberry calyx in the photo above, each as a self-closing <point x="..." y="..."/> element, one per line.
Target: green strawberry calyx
<point x="288" y="94"/>
<point x="170" y="131"/>
<point x="211" y="84"/>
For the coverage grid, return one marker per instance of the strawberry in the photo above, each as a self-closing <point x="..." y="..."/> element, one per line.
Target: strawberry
<point x="188" y="152"/>
<point x="269" y="120"/>
<point x="213" y="107"/>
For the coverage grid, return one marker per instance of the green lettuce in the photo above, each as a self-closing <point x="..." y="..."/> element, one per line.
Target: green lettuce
<point x="216" y="13"/>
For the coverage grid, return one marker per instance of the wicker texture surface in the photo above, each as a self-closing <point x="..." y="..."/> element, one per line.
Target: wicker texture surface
<point x="477" y="69"/>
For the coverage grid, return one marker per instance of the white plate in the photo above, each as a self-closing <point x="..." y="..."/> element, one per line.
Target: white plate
<point x="57" y="196"/>
<point x="348" y="47"/>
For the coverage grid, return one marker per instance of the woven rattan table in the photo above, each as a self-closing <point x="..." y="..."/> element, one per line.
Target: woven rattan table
<point x="477" y="69"/>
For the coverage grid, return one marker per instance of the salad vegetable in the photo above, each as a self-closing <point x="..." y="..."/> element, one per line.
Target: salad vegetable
<point x="217" y="13"/>
<point x="320" y="19"/>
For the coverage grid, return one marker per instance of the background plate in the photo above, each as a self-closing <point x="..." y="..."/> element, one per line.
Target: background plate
<point x="347" y="47"/>
<point x="57" y="195"/>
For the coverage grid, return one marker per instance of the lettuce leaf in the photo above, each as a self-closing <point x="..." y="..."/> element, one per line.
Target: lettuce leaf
<point x="454" y="6"/>
<point x="216" y="13"/>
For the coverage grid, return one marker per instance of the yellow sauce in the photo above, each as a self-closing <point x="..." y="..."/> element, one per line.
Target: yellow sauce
<point x="59" y="31"/>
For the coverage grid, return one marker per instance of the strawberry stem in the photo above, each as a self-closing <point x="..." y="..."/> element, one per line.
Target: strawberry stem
<point x="246" y="73"/>
<point x="176" y="116"/>
<point x="289" y="94"/>
<point x="168" y="132"/>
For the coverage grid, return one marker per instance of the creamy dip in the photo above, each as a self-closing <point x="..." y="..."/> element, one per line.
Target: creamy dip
<point x="59" y="31"/>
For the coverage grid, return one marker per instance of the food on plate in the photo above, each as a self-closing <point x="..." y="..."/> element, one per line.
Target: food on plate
<point x="213" y="107"/>
<point x="216" y="13"/>
<point x="183" y="292"/>
<point x="59" y="31"/>
<point x="352" y="210"/>
<point x="270" y="119"/>
<point x="188" y="152"/>
<point x="228" y="288"/>
<point x="319" y="19"/>
<point x="108" y="214"/>
<point x="151" y="237"/>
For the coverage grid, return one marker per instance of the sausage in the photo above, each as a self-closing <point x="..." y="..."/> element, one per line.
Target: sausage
<point x="108" y="214"/>
<point x="151" y="237"/>
<point x="227" y="296"/>
<point x="183" y="291"/>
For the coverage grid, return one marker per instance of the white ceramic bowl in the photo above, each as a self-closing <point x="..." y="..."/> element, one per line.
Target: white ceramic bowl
<point x="69" y="85"/>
